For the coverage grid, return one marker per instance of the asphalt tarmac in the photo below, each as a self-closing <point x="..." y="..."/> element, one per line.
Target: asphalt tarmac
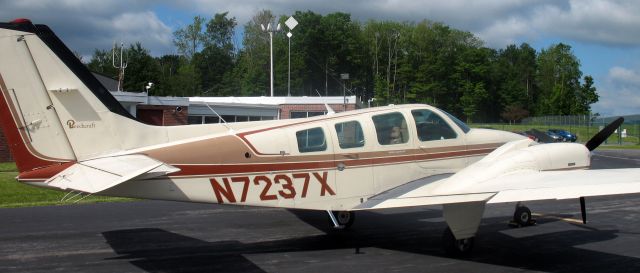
<point x="155" y="236"/>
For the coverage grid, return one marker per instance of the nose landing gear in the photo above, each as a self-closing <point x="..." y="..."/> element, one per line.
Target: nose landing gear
<point x="341" y="219"/>
<point x="522" y="217"/>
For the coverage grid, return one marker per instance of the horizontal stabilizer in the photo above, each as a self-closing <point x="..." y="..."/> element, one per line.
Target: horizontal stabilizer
<point x="96" y="175"/>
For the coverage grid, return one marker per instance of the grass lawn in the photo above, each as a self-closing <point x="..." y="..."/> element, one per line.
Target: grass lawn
<point x="15" y="194"/>
<point x="584" y="133"/>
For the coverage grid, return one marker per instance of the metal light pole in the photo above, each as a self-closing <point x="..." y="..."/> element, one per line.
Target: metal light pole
<point x="344" y="77"/>
<point x="271" y="31"/>
<point x="291" y="23"/>
<point x="289" y="75"/>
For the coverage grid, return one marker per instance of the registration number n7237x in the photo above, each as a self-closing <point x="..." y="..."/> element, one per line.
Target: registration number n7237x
<point x="273" y="187"/>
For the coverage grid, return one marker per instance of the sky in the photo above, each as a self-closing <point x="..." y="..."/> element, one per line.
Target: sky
<point x="604" y="34"/>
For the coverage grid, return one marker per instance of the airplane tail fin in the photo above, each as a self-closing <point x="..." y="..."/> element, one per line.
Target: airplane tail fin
<point x="52" y="109"/>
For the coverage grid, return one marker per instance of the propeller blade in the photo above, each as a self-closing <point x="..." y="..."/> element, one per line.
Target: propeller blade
<point x="583" y="210"/>
<point x="601" y="136"/>
<point x="542" y="137"/>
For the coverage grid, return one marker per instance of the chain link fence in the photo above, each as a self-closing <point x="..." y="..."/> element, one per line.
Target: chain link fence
<point x="583" y="126"/>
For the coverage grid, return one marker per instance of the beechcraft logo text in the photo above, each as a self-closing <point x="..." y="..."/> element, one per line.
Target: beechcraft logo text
<point x="79" y="125"/>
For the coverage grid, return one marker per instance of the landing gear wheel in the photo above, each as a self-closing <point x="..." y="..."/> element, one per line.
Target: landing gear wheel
<point x="345" y="218"/>
<point x="455" y="247"/>
<point x="522" y="217"/>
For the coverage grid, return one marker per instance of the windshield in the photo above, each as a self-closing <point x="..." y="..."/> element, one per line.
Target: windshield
<point x="464" y="127"/>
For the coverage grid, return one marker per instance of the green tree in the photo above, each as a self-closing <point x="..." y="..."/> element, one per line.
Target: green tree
<point x="585" y="96"/>
<point x="191" y="38"/>
<point x="253" y="58"/>
<point x="514" y="75"/>
<point x="182" y="83"/>
<point x="168" y="65"/>
<point x="141" y="69"/>
<point x="558" y="79"/>
<point x="219" y="31"/>
<point x="101" y="62"/>
<point x="216" y="62"/>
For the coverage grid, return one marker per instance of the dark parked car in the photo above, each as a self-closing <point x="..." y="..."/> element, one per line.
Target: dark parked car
<point x="566" y="135"/>
<point x="556" y="137"/>
<point x="528" y="134"/>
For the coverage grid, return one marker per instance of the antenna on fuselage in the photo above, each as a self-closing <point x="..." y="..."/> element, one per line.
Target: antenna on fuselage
<point x="329" y="109"/>
<point x="224" y="122"/>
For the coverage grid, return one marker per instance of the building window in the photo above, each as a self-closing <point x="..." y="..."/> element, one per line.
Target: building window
<point x="391" y="128"/>
<point x="350" y="134"/>
<point x="194" y="119"/>
<point x="227" y="118"/>
<point x="211" y="119"/>
<point x="311" y="140"/>
<point x="306" y="114"/>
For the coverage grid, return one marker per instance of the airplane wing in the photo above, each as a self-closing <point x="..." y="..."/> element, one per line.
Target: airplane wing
<point x="515" y="187"/>
<point x="96" y="175"/>
<point x="517" y="171"/>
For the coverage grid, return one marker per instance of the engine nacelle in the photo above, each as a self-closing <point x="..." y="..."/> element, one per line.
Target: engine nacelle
<point x="521" y="156"/>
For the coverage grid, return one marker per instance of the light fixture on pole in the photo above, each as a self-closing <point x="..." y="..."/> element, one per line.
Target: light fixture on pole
<point x="271" y="31"/>
<point x="291" y="23"/>
<point x="147" y="87"/>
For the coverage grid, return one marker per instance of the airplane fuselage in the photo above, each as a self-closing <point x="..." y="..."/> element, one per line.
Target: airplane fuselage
<point x="327" y="163"/>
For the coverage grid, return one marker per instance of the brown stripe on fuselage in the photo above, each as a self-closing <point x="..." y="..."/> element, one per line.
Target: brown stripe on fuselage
<point x="229" y="149"/>
<point x="226" y="155"/>
<point x="205" y="170"/>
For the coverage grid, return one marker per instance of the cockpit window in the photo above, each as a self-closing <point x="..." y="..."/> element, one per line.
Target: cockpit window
<point x="430" y="126"/>
<point x="391" y="128"/>
<point x="463" y="126"/>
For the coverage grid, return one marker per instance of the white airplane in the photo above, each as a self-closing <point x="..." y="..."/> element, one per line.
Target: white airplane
<point x="67" y="132"/>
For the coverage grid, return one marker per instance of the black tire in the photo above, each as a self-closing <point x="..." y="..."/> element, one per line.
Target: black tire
<point x="454" y="247"/>
<point x="522" y="216"/>
<point x="344" y="218"/>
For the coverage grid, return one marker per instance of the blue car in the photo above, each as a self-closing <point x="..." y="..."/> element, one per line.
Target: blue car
<point x="566" y="135"/>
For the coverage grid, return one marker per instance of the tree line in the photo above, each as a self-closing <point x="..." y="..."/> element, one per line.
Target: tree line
<point x="387" y="62"/>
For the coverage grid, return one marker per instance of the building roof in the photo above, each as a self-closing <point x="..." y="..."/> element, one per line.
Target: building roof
<point x="275" y="100"/>
<point x="143" y="98"/>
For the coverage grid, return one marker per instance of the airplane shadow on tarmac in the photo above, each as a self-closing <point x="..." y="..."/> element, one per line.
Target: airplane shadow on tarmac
<point x="153" y="249"/>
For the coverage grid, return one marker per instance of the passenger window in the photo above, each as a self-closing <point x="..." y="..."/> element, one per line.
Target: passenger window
<point x="350" y="134"/>
<point x="391" y="128"/>
<point x="430" y="126"/>
<point x="311" y="140"/>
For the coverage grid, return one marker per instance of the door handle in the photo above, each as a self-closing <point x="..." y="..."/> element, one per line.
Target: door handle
<point x="340" y="166"/>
